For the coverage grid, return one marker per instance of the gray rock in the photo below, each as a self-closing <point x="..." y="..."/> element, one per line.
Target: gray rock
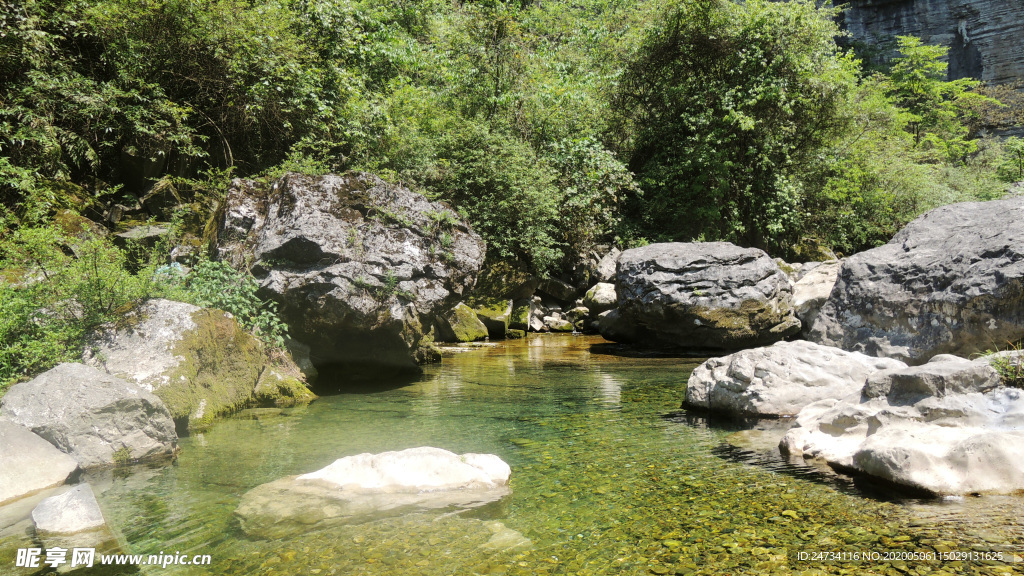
<point x="69" y="513"/>
<point x="941" y="428"/>
<point x="360" y="268"/>
<point x="779" y="380"/>
<point x="812" y="289"/>
<point x="360" y="488"/>
<point x="951" y="282"/>
<point x="557" y="323"/>
<point x="711" y="295"/>
<point x="28" y="463"/>
<point x="200" y="362"/>
<point x="983" y="36"/>
<point x="92" y="415"/>
<point x="606" y="266"/>
<point x="601" y="298"/>
<point x="560" y="290"/>
<point x="496" y="317"/>
<point x="942" y="376"/>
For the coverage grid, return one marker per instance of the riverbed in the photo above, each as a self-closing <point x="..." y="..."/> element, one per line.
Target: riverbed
<point x="608" y="477"/>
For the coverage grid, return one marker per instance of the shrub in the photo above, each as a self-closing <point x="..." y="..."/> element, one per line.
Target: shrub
<point x="218" y="285"/>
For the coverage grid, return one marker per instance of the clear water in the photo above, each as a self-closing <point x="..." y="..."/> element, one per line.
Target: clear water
<point x="608" y="478"/>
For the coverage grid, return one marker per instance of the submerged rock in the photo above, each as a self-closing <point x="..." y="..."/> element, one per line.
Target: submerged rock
<point x="96" y="418"/>
<point x="702" y="295"/>
<point x="69" y="513"/>
<point x="781" y="379"/>
<point x="951" y="282"/>
<point x="199" y="361"/>
<point x="944" y="428"/>
<point x="361" y="268"/>
<point x="28" y="463"/>
<point x="361" y="488"/>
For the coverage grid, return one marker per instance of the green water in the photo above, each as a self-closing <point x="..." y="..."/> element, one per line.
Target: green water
<point x="605" y="480"/>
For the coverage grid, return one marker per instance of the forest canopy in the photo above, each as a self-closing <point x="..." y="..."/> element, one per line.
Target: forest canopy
<point x="551" y="125"/>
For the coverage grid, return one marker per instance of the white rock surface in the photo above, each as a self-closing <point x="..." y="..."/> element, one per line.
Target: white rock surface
<point x="28" y="463"/>
<point x="813" y="288"/>
<point x="779" y="380"/>
<point x="942" y="428"/>
<point x="365" y="487"/>
<point x="71" y="512"/>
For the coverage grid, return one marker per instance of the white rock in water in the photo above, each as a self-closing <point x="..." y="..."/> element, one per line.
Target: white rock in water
<point x="73" y="511"/>
<point x="415" y="469"/>
<point x="945" y="428"/>
<point x="367" y="487"/>
<point x="781" y="379"/>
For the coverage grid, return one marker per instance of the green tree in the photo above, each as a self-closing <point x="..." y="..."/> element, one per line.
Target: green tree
<point x="723" y="104"/>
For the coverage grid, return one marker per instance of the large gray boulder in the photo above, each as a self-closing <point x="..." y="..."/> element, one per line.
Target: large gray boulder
<point x="702" y="295"/>
<point x="360" y="488"/>
<point x="199" y="361"/>
<point x="28" y="463"/>
<point x="779" y="380"/>
<point x="945" y="428"/>
<point x="97" y="418"/>
<point x="951" y="282"/>
<point x="360" y="268"/>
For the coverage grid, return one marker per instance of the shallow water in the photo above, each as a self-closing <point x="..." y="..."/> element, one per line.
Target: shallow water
<point x="608" y="477"/>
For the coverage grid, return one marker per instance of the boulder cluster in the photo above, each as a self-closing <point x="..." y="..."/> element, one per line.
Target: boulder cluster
<point x="897" y="377"/>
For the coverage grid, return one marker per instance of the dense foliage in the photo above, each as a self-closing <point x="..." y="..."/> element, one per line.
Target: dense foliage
<point x="552" y="126"/>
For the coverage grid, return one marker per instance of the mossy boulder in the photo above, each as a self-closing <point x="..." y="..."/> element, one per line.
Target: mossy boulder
<point x="200" y="362"/>
<point x="495" y="314"/>
<point x="461" y="325"/>
<point x="520" y="318"/>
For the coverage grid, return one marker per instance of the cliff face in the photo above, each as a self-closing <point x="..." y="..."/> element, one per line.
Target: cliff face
<point x="985" y="37"/>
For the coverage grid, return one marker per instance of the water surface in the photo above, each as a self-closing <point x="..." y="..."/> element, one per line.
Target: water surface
<point x="608" y="477"/>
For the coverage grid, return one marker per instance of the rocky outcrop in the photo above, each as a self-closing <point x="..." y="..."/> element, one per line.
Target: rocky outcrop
<point x="360" y="268"/>
<point x="983" y="36"/>
<point x="951" y="282"/>
<point x="781" y="379"/>
<point x="946" y="427"/>
<point x="199" y="361"/>
<point x="360" y="488"/>
<point x="707" y="296"/>
<point x="69" y="513"/>
<point x="28" y="463"/>
<point x="96" y="418"/>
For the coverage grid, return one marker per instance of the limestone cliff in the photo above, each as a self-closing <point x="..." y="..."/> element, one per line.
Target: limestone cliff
<point x="985" y="37"/>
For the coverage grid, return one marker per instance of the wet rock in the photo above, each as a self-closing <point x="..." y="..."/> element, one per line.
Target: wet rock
<point x="461" y="325"/>
<point x="710" y="295"/>
<point x="779" y="380"/>
<point x="69" y="513"/>
<point x="360" y="488"/>
<point x="28" y="463"/>
<point x="96" y="418"/>
<point x="943" y="428"/>
<point x="199" y="361"/>
<point x="495" y="316"/>
<point x="600" y="298"/>
<point x="361" y="268"/>
<point x="951" y="282"/>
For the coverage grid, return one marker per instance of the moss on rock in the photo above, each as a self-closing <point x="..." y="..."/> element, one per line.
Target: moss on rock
<point x="462" y="325"/>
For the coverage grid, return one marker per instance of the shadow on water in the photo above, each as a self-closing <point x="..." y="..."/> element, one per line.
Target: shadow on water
<point x="363" y="379"/>
<point x="757" y="445"/>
